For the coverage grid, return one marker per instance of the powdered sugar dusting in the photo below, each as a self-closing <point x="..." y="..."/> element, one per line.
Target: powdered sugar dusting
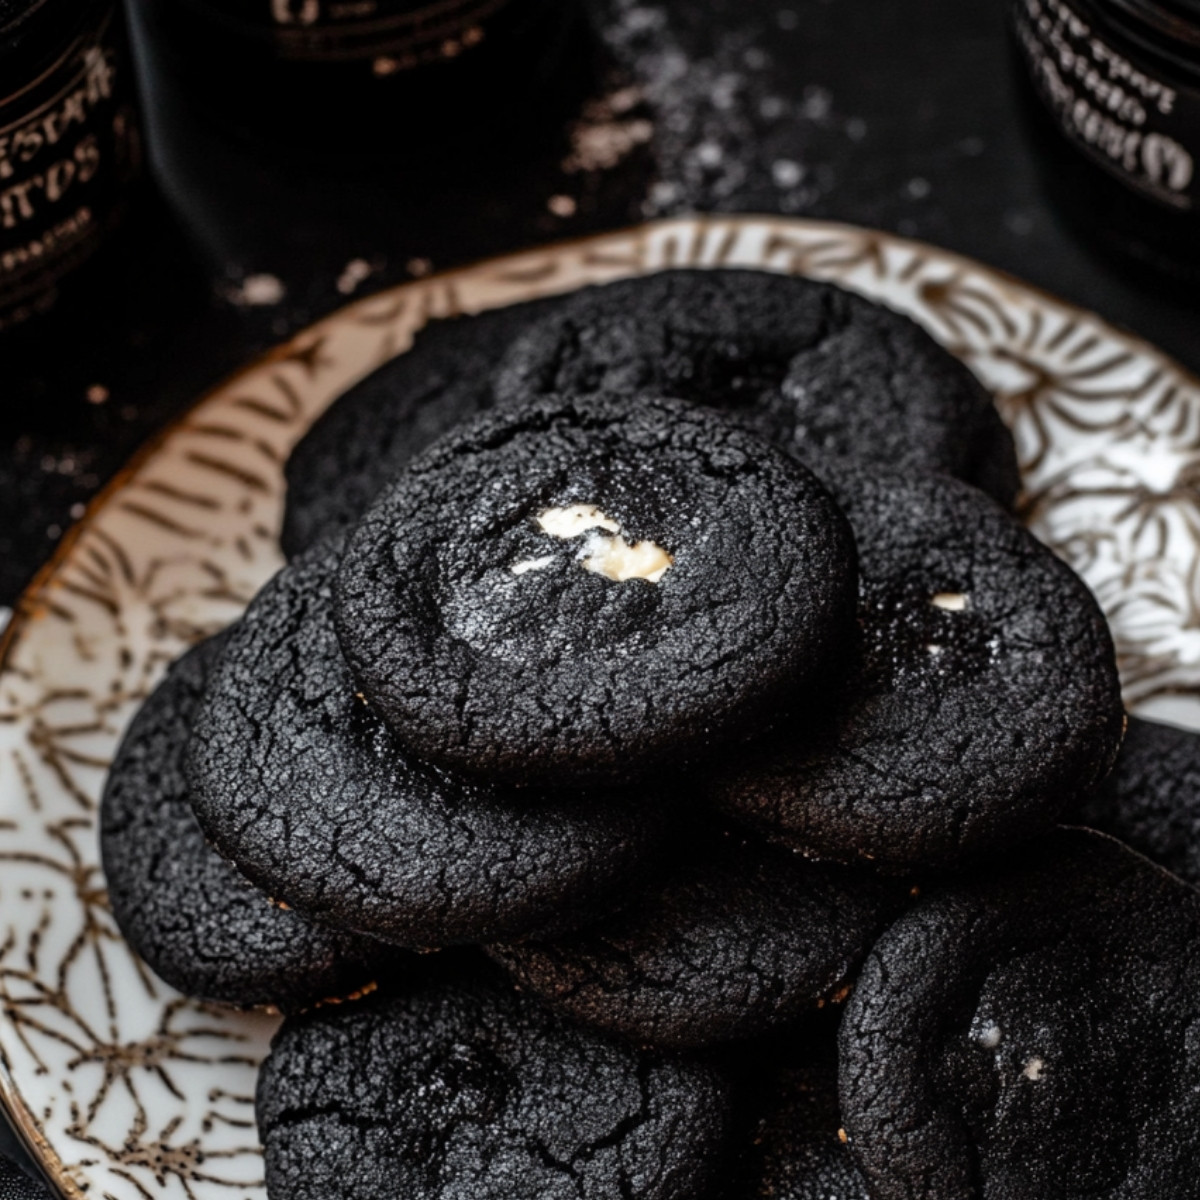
<point x="725" y="133"/>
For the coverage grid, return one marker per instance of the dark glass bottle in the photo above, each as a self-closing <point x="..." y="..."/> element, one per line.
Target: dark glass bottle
<point x="69" y="148"/>
<point x="1114" y="95"/>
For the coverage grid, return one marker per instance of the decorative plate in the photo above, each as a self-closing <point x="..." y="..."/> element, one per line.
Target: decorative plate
<point x="124" y="1089"/>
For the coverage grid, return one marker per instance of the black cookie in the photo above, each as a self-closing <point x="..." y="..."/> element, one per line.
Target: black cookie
<point x="817" y="369"/>
<point x="299" y="783"/>
<point x="741" y="939"/>
<point x="1032" y="1034"/>
<point x="985" y="696"/>
<point x="198" y="923"/>
<point x="355" y="448"/>
<point x="1151" y="801"/>
<point x="575" y="591"/>
<point x="465" y="1089"/>
<point x="798" y="1152"/>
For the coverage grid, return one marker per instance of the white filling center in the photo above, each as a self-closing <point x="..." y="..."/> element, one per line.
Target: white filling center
<point x="606" y="552"/>
<point x="950" y="601"/>
<point x="1033" y="1069"/>
<point x="615" y="558"/>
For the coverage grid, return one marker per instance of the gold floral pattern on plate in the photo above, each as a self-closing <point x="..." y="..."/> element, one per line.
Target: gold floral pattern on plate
<point x="127" y="1091"/>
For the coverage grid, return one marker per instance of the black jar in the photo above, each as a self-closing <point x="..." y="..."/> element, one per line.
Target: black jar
<point x="297" y="147"/>
<point x="351" y="80"/>
<point x="1115" y="99"/>
<point x="69" y="147"/>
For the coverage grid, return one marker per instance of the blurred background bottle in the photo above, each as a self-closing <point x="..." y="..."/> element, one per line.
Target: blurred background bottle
<point x="1113" y="93"/>
<point x="69" y="147"/>
<point x="339" y="79"/>
<point x="319" y="131"/>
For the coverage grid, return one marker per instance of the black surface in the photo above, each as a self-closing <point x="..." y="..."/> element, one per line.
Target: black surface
<point x="15" y="1184"/>
<point x="901" y="116"/>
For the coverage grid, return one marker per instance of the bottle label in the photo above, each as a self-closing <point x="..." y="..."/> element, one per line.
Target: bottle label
<point x="68" y="148"/>
<point x="1124" y="117"/>
<point x="395" y="34"/>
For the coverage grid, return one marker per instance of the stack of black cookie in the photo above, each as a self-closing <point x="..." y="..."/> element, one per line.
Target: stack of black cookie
<point x="691" y="684"/>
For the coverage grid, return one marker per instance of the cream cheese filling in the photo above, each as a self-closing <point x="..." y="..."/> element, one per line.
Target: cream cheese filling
<point x="605" y="552"/>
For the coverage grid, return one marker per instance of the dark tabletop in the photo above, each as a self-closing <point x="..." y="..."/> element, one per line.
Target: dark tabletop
<point x="899" y="114"/>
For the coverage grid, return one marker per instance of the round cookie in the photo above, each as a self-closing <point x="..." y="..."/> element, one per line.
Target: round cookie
<point x="465" y="1089"/>
<point x="296" y="780"/>
<point x="365" y="438"/>
<point x="1151" y="801"/>
<point x="1032" y="1034"/>
<point x="815" y="368"/>
<point x="187" y="912"/>
<point x="740" y="939"/>
<point x="984" y="697"/>
<point x="578" y="591"/>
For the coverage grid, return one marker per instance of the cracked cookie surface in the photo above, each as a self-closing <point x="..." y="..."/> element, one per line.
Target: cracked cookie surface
<point x="1151" y="801"/>
<point x="1032" y="1033"/>
<point x="296" y="779"/>
<point x="487" y="613"/>
<point x="354" y="449"/>
<point x="983" y="697"/>
<point x="797" y="1151"/>
<point x="199" y="924"/>
<point x="814" y="368"/>
<point x="462" y="1088"/>
<point x="740" y="939"/>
